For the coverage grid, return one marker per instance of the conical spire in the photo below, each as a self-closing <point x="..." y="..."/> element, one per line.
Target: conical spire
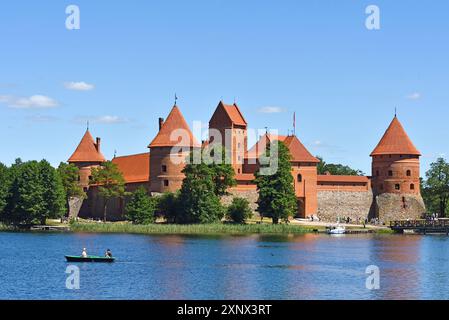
<point x="175" y="121"/>
<point x="395" y="141"/>
<point x="87" y="150"/>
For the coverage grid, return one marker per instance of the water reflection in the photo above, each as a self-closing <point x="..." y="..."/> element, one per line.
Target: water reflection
<point x="310" y="266"/>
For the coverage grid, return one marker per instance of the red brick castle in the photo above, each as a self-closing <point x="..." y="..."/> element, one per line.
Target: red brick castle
<point x="392" y="192"/>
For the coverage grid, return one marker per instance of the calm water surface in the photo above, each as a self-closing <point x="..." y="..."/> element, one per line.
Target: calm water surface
<point x="32" y="266"/>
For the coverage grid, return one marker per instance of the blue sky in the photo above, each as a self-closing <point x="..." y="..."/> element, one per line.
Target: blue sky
<point x="313" y="57"/>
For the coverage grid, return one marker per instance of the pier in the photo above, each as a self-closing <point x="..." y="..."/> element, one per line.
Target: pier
<point x="421" y="226"/>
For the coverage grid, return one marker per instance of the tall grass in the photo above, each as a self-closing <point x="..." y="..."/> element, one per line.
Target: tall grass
<point x="219" y="228"/>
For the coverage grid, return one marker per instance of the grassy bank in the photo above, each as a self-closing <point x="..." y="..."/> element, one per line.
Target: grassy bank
<point x="213" y="229"/>
<point x="4" y="228"/>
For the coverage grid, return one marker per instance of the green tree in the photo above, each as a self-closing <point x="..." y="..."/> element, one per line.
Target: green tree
<point x="69" y="174"/>
<point x="4" y="185"/>
<point x="168" y="206"/>
<point x="436" y="187"/>
<point x="223" y="174"/>
<point x="141" y="207"/>
<point x="206" y="180"/>
<point x="200" y="204"/>
<point x="35" y="194"/>
<point x="336" y="169"/>
<point x="54" y="196"/>
<point x="239" y="210"/>
<point x="111" y="183"/>
<point x="277" y="198"/>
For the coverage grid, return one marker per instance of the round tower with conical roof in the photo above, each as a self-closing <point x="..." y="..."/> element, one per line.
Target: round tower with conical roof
<point x="168" y="152"/>
<point x="87" y="156"/>
<point x="396" y="175"/>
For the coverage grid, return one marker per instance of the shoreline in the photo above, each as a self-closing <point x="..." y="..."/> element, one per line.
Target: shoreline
<point x="201" y="229"/>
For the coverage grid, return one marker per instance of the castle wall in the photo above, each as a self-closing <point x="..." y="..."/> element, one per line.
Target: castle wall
<point x="358" y="206"/>
<point x="399" y="207"/>
<point x="248" y="192"/>
<point x="93" y="206"/>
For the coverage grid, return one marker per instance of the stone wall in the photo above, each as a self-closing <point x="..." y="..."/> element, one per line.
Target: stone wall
<point x="399" y="207"/>
<point x="250" y="195"/>
<point x="75" y="204"/>
<point x="344" y="204"/>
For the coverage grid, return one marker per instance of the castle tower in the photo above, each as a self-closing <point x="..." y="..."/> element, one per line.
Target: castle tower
<point x="168" y="152"/>
<point x="229" y="124"/>
<point x="87" y="156"/>
<point x="395" y="176"/>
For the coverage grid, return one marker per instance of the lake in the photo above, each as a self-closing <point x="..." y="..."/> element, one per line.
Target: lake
<point x="311" y="266"/>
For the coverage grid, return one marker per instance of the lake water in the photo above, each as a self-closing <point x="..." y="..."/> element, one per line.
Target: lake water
<point x="32" y="266"/>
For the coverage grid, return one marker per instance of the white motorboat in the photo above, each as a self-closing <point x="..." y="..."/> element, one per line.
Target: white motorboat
<point x="338" y="229"/>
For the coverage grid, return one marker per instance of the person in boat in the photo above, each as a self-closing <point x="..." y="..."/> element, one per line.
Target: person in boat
<point x="108" y="254"/>
<point x="84" y="254"/>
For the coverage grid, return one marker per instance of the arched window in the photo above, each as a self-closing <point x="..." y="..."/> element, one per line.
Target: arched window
<point x="397" y="186"/>
<point x="390" y="173"/>
<point x="409" y="173"/>
<point x="299" y="178"/>
<point x="412" y="187"/>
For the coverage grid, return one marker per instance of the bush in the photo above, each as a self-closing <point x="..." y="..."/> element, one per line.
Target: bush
<point x="239" y="210"/>
<point x="141" y="207"/>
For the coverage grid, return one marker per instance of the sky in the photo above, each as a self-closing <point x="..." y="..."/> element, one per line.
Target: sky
<point x="120" y="71"/>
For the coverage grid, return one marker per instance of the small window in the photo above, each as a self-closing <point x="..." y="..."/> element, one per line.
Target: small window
<point x="409" y="173"/>
<point x="412" y="187"/>
<point x="90" y="178"/>
<point x="397" y="186"/>
<point x="164" y="168"/>
<point x="238" y="171"/>
<point x="390" y="173"/>
<point x="299" y="178"/>
<point x="166" y="183"/>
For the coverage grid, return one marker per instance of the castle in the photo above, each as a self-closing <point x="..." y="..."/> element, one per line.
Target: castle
<point x="392" y="192"/>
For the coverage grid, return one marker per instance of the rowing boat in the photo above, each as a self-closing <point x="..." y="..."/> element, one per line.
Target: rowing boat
<point x="88" y="259"/>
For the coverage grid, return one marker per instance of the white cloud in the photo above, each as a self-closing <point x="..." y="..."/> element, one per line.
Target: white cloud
<point x="32" y="102"/>
<point x="271" y="110"/>
<point x="79" y="86"/>
<point x="414" y="96"/>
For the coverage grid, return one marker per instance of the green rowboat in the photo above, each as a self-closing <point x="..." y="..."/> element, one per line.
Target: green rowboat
<point x="88" y="259"/>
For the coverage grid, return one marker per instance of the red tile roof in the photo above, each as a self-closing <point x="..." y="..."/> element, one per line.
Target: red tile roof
<point x="135" y="168"/>
<point x="395" y="141"/>
<point x="297" y="150"/>
<point x="259" y="148"/>
<point x="347" y="179"/>
<point x="234" y="113"/>
<point x="87" y="151"/>
<point x="175" y="121"/>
